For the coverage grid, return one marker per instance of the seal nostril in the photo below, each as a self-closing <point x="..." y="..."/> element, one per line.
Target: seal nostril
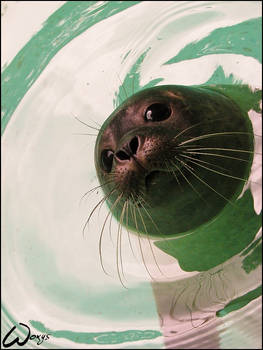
<point x="134" y="144"/>
<point x="121" y="155"/>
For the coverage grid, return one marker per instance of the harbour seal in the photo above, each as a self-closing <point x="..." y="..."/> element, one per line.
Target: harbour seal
<point x="169" y="158"/>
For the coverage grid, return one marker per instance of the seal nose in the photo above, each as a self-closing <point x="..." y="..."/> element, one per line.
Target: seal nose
<point x="128" y="150"/>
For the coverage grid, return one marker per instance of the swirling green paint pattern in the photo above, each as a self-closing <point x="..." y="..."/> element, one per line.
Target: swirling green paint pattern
<point x="101" y="337"/>
<point x="62" y="26"/>
<point x="241" y="39"/>
<point x="240" y="302"/>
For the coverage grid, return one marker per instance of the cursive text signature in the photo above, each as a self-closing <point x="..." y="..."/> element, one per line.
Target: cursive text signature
<point x="38" y="337"/>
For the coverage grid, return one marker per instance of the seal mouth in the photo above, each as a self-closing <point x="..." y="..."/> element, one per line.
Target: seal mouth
<point x="151" y="178"/>
<point x="157" y="184"/>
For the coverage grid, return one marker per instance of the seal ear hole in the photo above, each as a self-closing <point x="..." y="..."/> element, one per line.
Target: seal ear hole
<point x="157" y="112"/>
<point x="106" y="160"/>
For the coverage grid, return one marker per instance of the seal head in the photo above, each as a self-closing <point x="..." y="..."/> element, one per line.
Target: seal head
<point x="171" y="157"/>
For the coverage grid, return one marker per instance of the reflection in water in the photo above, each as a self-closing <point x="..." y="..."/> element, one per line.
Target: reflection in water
<point x="194" y="305"/>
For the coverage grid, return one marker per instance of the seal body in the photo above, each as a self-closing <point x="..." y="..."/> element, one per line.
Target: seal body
<point x="169" y="158"/>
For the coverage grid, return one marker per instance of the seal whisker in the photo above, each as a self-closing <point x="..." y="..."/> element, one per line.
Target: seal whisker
<point x="102" y="230"/>
<point x="199" y="160"/>
<point x="221" y="149"/>
<point x="117" y="254"/>
<point x="166" y="163"/>
<point x="96" y="206"/>
<point x="203" y="161"/>
<point x="116" y="187"/>
<point x="87" y="221"/>
<point x="118" y="247"/>
<point x="94" y="189"/>
<point x="98" y="124"/>
<point x="100" y="244"/>
<point x="141" y="199"/>
<point x="127" y="229"/>
<point x="139" y="239"/>
<point x="149" y="215"/>
<point x="139" y="236"/>
<point x="218" y="172"/>
<point x="81" y="133"/>
<point x="162" y="236"/>
<point x="193" y="126"/>
<point x="217" y="155"/>
<point x="205" y="183"/>
<point x="183" y="147"/>
<point x="110" y="232"/>
<point x="149" y="242"/>
<point x="92" y="127"/>
<point x="201" y="123"/>
<point x="188" y="181"/>
<point x="201" y="137"/>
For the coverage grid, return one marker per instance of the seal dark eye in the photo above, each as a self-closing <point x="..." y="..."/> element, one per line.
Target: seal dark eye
<point x="157" y="112"/>
<point x="106" y="160"/>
